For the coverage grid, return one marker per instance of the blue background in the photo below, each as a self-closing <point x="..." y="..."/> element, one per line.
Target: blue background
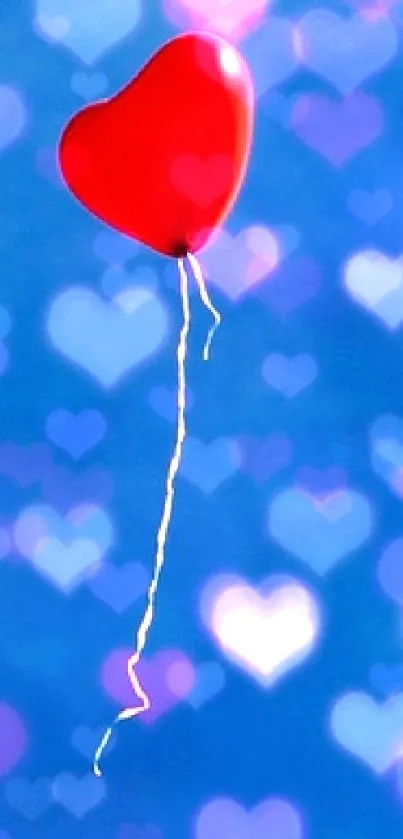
<point x="247" y="743"/>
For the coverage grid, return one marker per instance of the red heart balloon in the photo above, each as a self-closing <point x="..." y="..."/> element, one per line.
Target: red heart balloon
<point x="164" y="159"/>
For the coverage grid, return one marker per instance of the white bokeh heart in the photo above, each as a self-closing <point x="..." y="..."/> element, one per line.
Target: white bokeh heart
<point x="375" y="282"/>
<point x="266" y="632"/>
<point x="87" y="29"/>
<point x="371" y="731"/>
<point x="106" y="338"/>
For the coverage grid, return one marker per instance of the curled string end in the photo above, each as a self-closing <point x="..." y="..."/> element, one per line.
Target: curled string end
<point x="127" y="714"/>
<point x="99" y="752"/>
<point x="198" y="275"/>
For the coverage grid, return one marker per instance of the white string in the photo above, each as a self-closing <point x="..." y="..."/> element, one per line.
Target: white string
<point x="198" y="275"/>
<point x="163" y="528"/>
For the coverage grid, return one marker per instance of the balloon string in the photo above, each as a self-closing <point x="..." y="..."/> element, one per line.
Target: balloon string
<point x="198" y="275"/>
<point x="146" y="622"/>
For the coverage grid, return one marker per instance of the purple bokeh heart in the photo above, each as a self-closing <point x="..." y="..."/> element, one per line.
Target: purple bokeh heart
<point x="294" y="283"/>
<point x="63" y="488"/>
<point x="30" y="798"/>
<point x="338" y="130"/>
<point x="289" y="376"/>
<point x="233" y="20"/>
<point x="78" y="795"/>
<point x="13" y="739"/>
<point x="261" y="459"/>
<point x="208" y="465"/>
<point x="209" y="682"/>
<point x="76" y="433"/>
<point x="168" y="677"/>
<point x="345" y="51"/>
<point x="25" y="465"/>
<point x="274" y="817"/>
<point x="370" y="207"/>
<point x="270" y="53"/>
<point x="323" y="483"/>
<point x="237" y="264"/>
<point x="119" y="587"/>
